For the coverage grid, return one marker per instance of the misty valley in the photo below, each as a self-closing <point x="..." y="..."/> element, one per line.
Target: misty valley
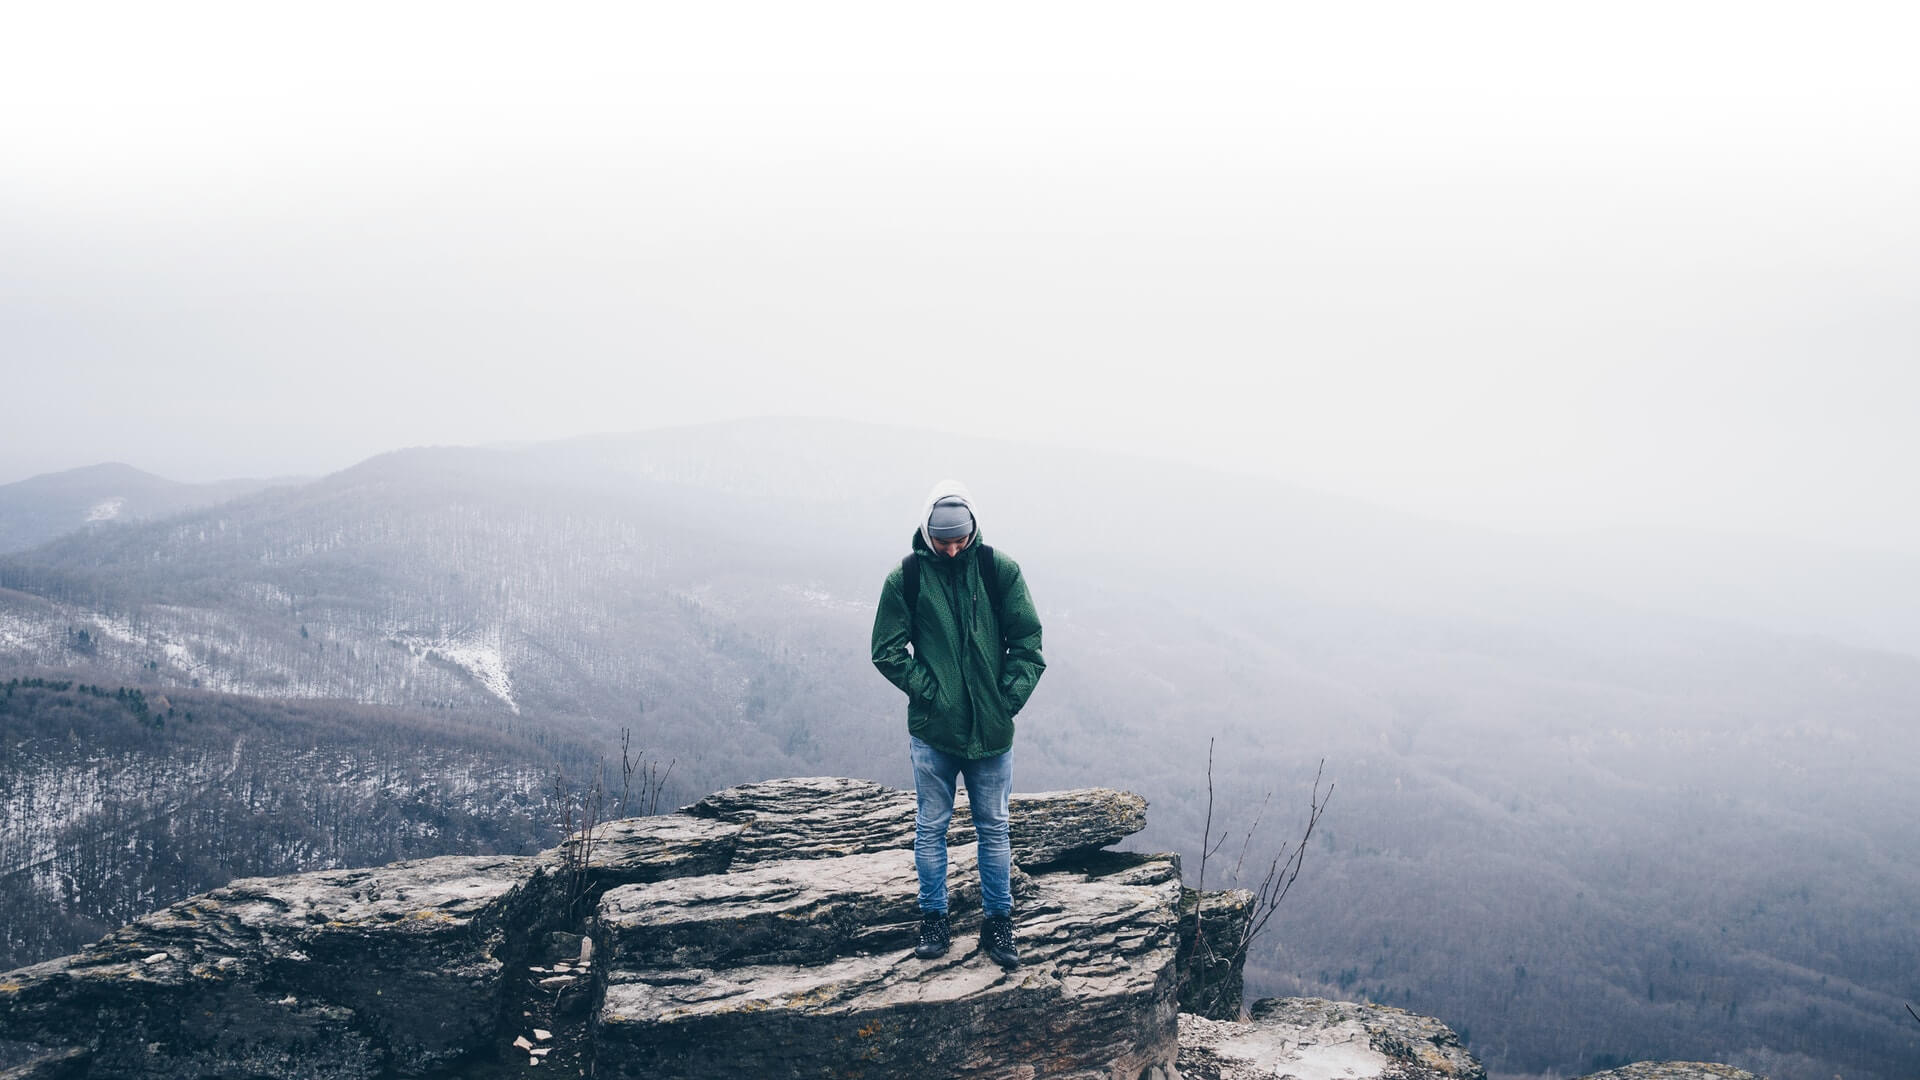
<point x="1583" y="820"/>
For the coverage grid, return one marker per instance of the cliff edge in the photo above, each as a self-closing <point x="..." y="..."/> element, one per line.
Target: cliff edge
<point x="763" y="931"/>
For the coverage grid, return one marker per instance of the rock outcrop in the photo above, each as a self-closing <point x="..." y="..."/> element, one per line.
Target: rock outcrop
<point x="763" y="931"/>
<point x="1315" y="1039"/>
<point x="810" y="936"/>
<point x="1210" y="984"/>
<point x="1673" y="1070"/>
<point x="338" y="973"/>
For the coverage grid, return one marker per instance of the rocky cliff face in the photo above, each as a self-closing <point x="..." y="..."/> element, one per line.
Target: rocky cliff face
<point x="763" y="931"/>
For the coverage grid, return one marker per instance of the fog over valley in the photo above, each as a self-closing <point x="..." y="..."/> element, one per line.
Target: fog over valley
<point x="1503" y="411"/>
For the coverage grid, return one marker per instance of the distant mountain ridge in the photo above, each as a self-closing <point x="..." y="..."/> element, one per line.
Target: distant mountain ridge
<point x="41" y="508"/>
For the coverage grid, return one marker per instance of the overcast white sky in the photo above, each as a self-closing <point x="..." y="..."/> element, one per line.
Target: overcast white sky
<point x="1534" y="265"/>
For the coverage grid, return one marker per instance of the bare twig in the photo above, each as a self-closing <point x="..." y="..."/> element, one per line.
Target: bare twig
<point x="1251" y="829"/>
<point x="653" y="785"/>
<point x="581" y="833"/>
<point x="1286" y="866"/>
<point x="1282" y="871"/>
<point x="1910" y="1012"/>
<point x="1200" y="883"/>
<point x="643" y="783"/>
<point x="627" y="764"/>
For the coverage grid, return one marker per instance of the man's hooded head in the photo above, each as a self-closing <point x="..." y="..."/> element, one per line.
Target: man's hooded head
<point x="948" y="514"/>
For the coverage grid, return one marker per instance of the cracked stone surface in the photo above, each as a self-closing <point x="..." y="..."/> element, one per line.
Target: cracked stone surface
<point x="797" y="912"/>
<point x="340" y="973"/>
<point x="1094" y="997"/>
<point x="653" y="849"/>
<point x="824" y="817"/>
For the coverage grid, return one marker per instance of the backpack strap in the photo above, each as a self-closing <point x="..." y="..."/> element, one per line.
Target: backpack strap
<point x="990" y="577"/>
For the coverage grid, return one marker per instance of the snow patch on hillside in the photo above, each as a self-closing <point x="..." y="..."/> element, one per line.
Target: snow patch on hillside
<point x="17" y="632"/>
<point x="183" y="660"/>
<point x="119" y="628"/>
<point x="818" y="597"/>
<point x="107" y="509"/>
<point x="482" y="661"/>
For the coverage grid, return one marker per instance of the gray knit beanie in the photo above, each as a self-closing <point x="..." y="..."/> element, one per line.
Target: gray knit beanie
<point x="950" y="519"/>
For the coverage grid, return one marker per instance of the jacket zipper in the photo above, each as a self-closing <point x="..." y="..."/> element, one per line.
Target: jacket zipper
<point x="964" y="620"/>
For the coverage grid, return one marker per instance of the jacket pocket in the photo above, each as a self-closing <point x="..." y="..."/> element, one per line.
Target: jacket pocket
<point x="929" y="684"/>
<point x="995" y="718"/>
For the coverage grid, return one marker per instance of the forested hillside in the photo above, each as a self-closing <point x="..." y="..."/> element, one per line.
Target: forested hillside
<point x="1580" y="828"/>
<point x="118" y="801"/>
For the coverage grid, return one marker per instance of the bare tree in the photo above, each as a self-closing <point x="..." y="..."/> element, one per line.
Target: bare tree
<point x="652" y="778"/>
<point x="1283" y="869"/>
<point x="580" y="820"/>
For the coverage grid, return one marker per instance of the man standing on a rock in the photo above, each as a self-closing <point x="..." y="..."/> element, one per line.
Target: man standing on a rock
<point x="975" y="660"/>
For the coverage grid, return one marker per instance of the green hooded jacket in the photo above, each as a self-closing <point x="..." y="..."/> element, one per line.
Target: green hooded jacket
<point x="971" y="668"/>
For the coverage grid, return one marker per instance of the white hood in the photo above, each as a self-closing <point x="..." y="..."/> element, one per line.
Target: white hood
<point x="942" y="490"/>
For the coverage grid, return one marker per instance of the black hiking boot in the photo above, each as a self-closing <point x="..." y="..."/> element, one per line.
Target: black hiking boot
<point x="935" y="936"/>
<point x="996" y="936"/>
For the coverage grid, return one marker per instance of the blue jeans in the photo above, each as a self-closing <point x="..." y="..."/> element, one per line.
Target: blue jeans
<point x="989" y="782"/>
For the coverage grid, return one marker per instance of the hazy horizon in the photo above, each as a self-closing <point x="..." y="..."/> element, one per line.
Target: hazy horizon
<point x="1649" y="531"/>
<point x="1525" y="269"/>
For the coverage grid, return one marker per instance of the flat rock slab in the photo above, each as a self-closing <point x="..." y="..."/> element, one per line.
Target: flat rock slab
<point x="801" y="912"/>
<point x="652" y="849"/>
<point x="1316" y="1039"/>
<point x="826" y="817"/>
<point x="338" y="973"/>
<point x="811" y="817"/>
<point x="1095" y="997"/>
<point x="1674" y="1070"/>
<point x="1048" y="826"/>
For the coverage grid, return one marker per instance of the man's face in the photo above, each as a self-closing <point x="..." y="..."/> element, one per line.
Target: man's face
<point x="950" y="548"/>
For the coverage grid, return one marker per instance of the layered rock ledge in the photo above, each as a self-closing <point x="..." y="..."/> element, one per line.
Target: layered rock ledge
<point x="824" y="816"/>
<point x="322" y="974"/>
<point x="808" y="941"/>
<point x="1094" y="997"/>
<point x="764" y="931"/>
